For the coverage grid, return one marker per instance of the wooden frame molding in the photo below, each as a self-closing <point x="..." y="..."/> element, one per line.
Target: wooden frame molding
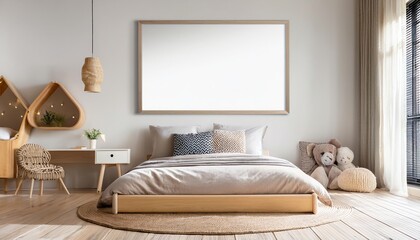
<point x="290" y="203"/>
<point x="284" y="111"/>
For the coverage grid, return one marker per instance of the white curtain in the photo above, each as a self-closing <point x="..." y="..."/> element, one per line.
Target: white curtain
<point x="383" y="92"/>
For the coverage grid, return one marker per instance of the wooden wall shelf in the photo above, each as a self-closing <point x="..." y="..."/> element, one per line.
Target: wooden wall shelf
<point x="55" y="109"/>
<point x="13" y="114"/>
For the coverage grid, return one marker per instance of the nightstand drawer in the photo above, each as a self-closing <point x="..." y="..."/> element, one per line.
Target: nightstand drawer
<point x="112" y="156"/>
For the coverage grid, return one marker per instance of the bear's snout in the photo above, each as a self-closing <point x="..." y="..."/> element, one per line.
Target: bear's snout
<point x="327" y="158"/>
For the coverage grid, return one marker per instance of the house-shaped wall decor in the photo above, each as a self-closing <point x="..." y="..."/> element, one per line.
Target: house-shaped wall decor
<point x="55" y="109"/>
<point x="13" y="115"/>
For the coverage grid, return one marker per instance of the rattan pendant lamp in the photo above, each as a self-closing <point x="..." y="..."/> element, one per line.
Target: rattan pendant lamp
<point x="92" y="73"/>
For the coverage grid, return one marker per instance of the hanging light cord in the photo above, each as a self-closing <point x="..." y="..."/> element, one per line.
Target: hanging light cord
<point x="92" y="28"/>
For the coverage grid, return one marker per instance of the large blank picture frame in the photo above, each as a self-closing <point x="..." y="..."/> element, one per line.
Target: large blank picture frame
<point x="213" y="67"/>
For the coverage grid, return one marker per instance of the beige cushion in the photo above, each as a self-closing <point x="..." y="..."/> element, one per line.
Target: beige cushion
<point x="229" y="141"/>
<point x="254" y="136"/>
<point x="357" y="180"/>
<point x="162" y="138"/>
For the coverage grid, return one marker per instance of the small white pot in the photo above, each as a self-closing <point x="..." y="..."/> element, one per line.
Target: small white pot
<point x="92" y="144"/>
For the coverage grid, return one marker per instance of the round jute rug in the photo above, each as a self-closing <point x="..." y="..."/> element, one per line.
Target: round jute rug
<point x="211" y="223"/>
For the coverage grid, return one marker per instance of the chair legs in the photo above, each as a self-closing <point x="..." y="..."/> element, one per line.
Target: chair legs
<point x="32" y="187"/>
<point x="64" y="186"/>
<point x="41" y="189"/>
<point x="19" y="185"/>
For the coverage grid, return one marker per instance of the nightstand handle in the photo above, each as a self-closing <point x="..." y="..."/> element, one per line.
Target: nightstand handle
<point x="112" y="155"/>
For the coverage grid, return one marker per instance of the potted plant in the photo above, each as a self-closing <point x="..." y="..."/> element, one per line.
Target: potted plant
<point x="52" y="119"/>
<point x="59" y="120"/>
<point x="92" y="135"/>
<point x="48" y="118"/>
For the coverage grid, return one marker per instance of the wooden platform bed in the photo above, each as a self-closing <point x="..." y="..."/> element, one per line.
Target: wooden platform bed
<point x="285" y="203"/>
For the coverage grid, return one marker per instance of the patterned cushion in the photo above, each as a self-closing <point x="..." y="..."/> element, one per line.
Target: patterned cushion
<point x="254" y="136"/>
<point x="229" y="141"/>
<point x="162" y="138"/>
<point x="193" y="143"/>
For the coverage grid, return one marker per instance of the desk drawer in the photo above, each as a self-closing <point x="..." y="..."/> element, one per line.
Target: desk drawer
<point x="112" y="156"/>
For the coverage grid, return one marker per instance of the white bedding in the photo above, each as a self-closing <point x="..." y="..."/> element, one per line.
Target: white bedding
<point x="214" y="174"/>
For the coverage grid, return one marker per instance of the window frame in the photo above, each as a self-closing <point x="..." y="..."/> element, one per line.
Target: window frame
<point x="413" y="101"/>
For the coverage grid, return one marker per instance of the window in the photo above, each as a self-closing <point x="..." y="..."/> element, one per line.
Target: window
<point x="413" y="92"/>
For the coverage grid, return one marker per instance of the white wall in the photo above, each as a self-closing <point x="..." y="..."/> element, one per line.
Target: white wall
<point x="47" y="40"/>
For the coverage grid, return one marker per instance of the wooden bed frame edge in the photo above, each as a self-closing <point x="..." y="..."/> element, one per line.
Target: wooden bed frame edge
<point x="290" y="203"/>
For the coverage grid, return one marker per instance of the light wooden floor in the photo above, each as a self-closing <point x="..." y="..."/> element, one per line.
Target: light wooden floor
<point x="377" y="215"/>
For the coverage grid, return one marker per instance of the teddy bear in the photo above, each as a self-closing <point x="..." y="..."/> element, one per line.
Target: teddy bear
<point x="345" y="158"/>
<point x="324" y="154"/>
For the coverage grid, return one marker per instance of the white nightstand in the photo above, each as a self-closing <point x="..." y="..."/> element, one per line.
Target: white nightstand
<point x="104" y="157"/>
<point x="109" y="158"/>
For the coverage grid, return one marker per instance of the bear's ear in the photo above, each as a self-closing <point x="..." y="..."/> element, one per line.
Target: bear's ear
<point x="335" y="142"/>
<point x="335" y="151"/>
<point x="310" y="149"/>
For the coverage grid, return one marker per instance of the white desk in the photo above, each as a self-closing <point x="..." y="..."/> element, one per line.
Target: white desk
<point x="104" y="157"/>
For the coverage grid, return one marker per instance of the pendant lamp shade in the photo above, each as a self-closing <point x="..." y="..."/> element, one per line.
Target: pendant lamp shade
<point x="92" y="74"/>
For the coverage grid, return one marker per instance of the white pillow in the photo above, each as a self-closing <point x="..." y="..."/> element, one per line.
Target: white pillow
<point x="162" y="139"/>
<point x="7" y="133"/>
<point x="254" y="136"/>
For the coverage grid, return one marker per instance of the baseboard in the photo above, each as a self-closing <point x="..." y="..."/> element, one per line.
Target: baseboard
<point x="414" y="190"/>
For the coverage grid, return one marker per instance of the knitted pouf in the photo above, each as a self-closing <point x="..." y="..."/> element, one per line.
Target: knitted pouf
<point x="357" y="180"/>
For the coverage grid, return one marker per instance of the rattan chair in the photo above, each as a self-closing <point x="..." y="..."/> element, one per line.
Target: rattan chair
<point x="34" y="163"/>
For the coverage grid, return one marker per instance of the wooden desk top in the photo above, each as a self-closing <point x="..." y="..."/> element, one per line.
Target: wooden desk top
<point x="78" y="156"/>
